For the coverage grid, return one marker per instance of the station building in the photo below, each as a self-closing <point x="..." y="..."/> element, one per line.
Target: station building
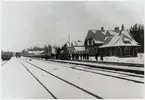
<point x="93" y="40"/>
<point x="111" y="42"/>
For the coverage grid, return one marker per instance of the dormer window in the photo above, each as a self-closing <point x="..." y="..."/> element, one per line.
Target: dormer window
<point x="126" y="41"/>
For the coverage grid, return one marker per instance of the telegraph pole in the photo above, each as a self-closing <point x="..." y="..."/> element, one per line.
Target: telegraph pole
<point x="69" y="43"/>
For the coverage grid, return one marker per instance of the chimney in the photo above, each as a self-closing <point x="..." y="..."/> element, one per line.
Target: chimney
<point x="122" y="27"/>
<point x="102" y="28"/>
<point x="116" y="29"/>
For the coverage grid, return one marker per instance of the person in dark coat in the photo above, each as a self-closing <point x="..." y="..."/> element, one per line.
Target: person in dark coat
<point x="46" y="56"/>
<point x="69" y="56"/>
<point x="76" y="56"/>
<point x="87" y="56"/>
<point x="101" y="56"/>
<point x="81" y="55"/>
<point x="96" y="56"/>
<point x="56" y="56"/>
<point x="72" y="56"/>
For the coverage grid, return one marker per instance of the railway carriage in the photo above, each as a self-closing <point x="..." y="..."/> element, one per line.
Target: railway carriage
<point x="6" y="55"/>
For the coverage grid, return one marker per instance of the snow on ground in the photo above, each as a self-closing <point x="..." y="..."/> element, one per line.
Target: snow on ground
<point x="105" y="65"/>
<point x="106" y="87"/>
<point x="18" y="83"/>
<point x="138" y="60"/>
<point x="59" y="88"/>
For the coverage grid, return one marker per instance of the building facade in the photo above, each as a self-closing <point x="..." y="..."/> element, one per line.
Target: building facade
<point x="93" y="40"/>
<point x="120" y="44"/>
<point x="111" y="42"/>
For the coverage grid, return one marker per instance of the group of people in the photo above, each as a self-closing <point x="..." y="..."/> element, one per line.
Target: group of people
<point x="18" y="55"/>
<point x="85" y="56"/>
<point x="73" y="56"/>
<point x="97" y="55"/>
<point x="80" y="56"/>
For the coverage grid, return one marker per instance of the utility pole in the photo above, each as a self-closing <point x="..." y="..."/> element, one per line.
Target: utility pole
<point x="69" y="44"/>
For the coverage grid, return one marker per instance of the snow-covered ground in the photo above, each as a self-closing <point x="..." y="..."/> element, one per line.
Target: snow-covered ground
<point x="18" y="83"/>
<point x="59" y="88"/>
<point x="138" y="60"/>
<point x="106" y="87"/>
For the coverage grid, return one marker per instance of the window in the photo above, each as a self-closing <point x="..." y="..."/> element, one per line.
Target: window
<point x="127" y="51"/>
<point x="87" y="42"/>
<point x="126" y="41"/>
<point x="92" y="42"/>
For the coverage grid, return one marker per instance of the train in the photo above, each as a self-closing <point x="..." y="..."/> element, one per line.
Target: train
<point x="18" y="54"/>
<point x="6" y="55"/>
<point x="49" y="56"/>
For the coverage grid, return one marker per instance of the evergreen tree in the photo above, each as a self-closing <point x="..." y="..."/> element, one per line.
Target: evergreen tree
<point x="137" y="31"/>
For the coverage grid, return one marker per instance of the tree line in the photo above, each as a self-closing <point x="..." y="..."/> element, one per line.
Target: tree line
<point x="45" y="48"/>
<point x="137" y="31"/>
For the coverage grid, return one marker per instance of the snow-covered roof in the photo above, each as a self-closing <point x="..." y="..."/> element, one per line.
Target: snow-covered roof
<point x="97" y="35"/>
<point x="97" y="42"/>
<point x="36" y="52"/>
<point x="79" y="49"/>
<point x="105" y="46"/>
<point x="75" y="43"/>
<point x="124" y="39"/>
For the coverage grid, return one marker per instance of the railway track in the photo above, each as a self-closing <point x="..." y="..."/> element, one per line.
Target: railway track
<point x="4" y="62"/>
<point x="39" y="81"/>
<point x="119" y="75"/>
<point x="57" y="77"/>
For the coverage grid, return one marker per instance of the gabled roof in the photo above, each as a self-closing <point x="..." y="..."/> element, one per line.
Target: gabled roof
<point x="111" y="32"/>
<point x="97" y="35"/>
<point x="123" y="39"/>
<point x="75" y="43"/>
<point x="79" y="49"/>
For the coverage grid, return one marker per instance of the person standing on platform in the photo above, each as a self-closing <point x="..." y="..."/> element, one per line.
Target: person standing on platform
<point x="96" y="56"/>
<point x="77" y="56"/>
<point x="81" y="56"/>
<point x="69" y="57"/>
<point x="72" y="56"/>
<point x="84" y="56"/>
<point x="87" y="56"/>
<point x="101" y="56"/>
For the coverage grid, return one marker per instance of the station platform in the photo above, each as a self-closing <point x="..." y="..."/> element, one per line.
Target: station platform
<point x="134" y="68"/>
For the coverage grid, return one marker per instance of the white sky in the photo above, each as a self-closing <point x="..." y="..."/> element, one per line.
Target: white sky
<point x="33" y="23"/>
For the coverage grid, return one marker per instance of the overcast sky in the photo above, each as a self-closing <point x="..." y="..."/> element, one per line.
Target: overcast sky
<point x="33" y="23"/>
